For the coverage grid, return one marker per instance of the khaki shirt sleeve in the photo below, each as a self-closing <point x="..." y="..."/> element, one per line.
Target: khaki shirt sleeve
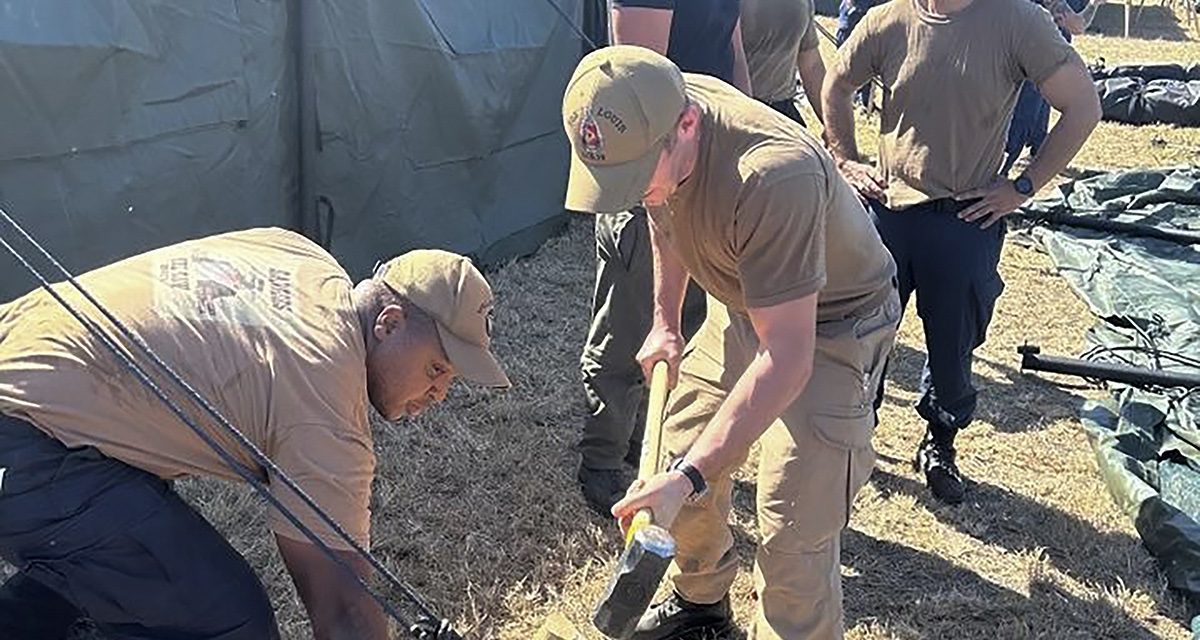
<point x="1038" y="49"/>
<point x="860" y="57"/>
<point x="779" y="239"/>
<point x="335" y="469"/>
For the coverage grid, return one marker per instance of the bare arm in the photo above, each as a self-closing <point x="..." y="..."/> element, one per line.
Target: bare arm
<point x="641" y="26"/>
<point x="665" y="341"/>
<point x="836" y="100"/>
<point x="741" y="68"/>
<point x="338" y="608"/>
<point x="1071" y="92"/>
<point x="812" y="77"/>
<point x="776" y="377"/>
<point x="780" y="371"/>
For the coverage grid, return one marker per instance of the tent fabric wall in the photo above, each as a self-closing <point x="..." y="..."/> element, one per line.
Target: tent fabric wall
<point x="373" y="126"/>
<point x="132" y="124"/>
<point x="433" y="131"/>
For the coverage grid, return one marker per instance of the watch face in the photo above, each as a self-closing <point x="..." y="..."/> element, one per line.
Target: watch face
<point x="1023" y="185"/>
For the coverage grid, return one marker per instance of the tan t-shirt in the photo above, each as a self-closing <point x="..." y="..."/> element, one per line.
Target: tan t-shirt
<point x="774" y="32"/>
<point x="952" y="83"/>
<point x="259" y="322"/>
<point x="765" y="218"/>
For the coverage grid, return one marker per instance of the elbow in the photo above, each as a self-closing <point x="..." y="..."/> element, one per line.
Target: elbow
<point x="835" y="91"/>
<point x="1090" y="111"/>
<point x="1082" y="113"/>
<point x="1095" y="112"/>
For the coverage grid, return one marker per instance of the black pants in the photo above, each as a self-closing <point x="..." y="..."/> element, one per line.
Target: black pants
<point x="951" y="265"/>
<point x="94" y="537"/>
<point x="787" y="108"/>
<point x="622" y="312"/>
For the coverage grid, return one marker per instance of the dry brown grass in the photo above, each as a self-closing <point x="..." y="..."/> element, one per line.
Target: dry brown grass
<point x="476" y="504"/>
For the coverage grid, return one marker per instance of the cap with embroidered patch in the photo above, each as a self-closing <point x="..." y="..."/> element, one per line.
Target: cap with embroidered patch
<point x="455" y="294"/>
<point x="619" y="107"/>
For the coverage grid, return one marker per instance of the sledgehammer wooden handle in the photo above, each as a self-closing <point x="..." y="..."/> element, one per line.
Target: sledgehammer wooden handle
<point x="651" y="441"/>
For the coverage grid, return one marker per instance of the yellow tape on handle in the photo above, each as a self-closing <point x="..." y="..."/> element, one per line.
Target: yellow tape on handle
<point x="651" y="442"/>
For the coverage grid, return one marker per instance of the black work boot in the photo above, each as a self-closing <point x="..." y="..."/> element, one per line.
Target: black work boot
<point x="678" y="619"/>
<point x="602" y="488"/>
<point x="935" y="458"/>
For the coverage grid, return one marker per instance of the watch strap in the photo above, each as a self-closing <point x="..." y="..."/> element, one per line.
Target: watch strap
<point x="699" y="484"/>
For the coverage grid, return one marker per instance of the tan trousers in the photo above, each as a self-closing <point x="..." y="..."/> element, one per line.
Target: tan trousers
<point x="813" y="461"/>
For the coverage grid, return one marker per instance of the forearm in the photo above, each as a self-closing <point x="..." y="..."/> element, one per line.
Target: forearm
<point x="1064" y="141"/>
<point x="838" y="111"/>
<point x="670" y="280"/>
<point x="812" y="77"/>
<point x="759" y="397"/>
<point x="358" y="618"/>
<point x="337" y="606"/>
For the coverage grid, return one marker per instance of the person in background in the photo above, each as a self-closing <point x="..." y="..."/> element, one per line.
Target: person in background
<point x="780" y="38"/>
<point x="700" y="36"/>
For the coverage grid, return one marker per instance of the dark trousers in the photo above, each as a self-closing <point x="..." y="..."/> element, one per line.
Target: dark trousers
<point x="787" y="108"/>
<point x="1029" y="126"/>
<point x="93" y="537"/>
<point x="951" y="266"/>
<point x="622" y="312"/>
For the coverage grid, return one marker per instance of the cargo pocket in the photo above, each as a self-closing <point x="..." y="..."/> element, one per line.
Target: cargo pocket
<point x="845" y="432"/>
<point x="983" y="304"/>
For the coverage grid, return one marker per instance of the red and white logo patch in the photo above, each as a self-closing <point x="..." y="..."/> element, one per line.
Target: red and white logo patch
<point x="591" y="142"/>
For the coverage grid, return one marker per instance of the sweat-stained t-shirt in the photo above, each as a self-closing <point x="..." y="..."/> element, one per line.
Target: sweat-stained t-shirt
<point x="951" y="86"/>
<point x="774" y="32"/>
<point x="259" y="322"/>
<point x="701" y="38"/>
<point x="765" y="217"/>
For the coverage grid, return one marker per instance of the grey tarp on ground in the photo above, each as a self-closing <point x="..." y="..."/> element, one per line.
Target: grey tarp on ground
<point x="1149" y="93"/>
<point x="432" y="131"/>
<point x="1143" y="291"/>
<point x="130" y="124"/>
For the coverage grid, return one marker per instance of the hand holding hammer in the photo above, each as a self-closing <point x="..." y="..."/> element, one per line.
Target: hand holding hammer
<point x="645" y="513"/>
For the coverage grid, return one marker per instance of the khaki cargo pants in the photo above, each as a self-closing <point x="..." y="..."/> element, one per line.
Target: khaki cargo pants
<point x="813" y="461"/>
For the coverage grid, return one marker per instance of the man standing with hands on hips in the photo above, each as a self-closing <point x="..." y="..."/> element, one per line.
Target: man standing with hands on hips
<point x="951" y="71"/>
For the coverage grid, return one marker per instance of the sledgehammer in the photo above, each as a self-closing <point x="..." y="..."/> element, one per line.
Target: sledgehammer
<point x="649" y="548"/>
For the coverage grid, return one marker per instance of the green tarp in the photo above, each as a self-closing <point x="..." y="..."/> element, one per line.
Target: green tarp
<point x="1145" y="293"/>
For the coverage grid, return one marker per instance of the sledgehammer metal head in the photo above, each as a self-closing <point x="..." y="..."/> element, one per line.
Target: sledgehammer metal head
<point x="639" y="572"/>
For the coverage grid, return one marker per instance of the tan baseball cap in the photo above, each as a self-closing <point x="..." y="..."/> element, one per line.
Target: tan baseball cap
<point x="618" y="109"/>
<point x="453" y="292"/>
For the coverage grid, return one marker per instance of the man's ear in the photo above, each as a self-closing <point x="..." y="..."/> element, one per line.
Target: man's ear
<point x="391" y="318"/>
<point x="687" y="126"/>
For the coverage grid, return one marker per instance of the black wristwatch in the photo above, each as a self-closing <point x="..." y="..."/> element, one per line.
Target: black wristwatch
<point x="1023" y="185"/>
<point x="699" y="486"/>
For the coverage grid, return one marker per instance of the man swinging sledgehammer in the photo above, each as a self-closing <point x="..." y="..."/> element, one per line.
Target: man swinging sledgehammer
<point x="802" y="313"/>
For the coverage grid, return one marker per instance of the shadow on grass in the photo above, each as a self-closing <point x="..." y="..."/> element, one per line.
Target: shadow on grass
<point x="996" y="516"/>
<point x="1022" y="403"/>
<point x="916" y="594"/>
